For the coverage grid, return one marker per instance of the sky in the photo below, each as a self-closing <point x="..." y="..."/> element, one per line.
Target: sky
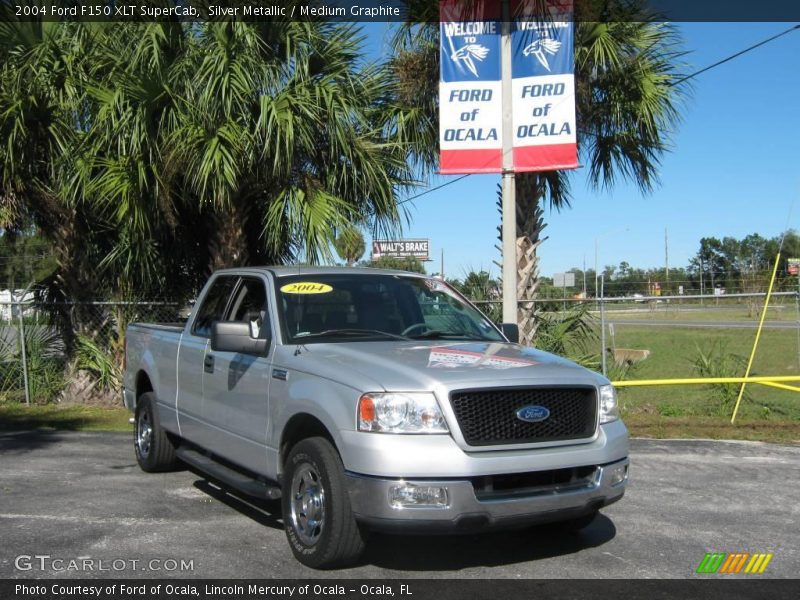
<point x="733" y="169"/>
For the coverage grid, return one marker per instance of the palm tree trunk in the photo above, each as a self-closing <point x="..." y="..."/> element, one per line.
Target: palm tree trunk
<point x="229" y="245"/>
<point x="73" y="285"/>
<point x="530" y="223"/>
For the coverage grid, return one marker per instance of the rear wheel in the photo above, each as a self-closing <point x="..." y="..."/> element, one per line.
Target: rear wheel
<point x="155" y="451"/>
<point x="320" y="526"/>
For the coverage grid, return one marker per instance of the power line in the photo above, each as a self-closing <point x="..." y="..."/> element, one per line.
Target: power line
<point x="672" y="84"/>
<point x="438" y="187"/>
<point x="736" y="55"/>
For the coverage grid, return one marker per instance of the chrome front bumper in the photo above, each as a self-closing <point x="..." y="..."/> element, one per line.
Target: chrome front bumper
<point x="464" y="511"/>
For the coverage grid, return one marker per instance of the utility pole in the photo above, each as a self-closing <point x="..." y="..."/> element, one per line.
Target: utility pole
<point x="603" y="325"/>
<point x="596" y="294"/>
<point x="509" y="202"/>
<point x="702" y="267"/>
<point x="666" y="257"/>
<point x="441" y="272"/>
<point x="584" y="276"/>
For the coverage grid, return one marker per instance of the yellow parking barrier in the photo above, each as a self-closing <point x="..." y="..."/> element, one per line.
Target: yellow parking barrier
<point x="764" y="379"/>
<point x="758" y="335"/>
<point x="780" y="386"/>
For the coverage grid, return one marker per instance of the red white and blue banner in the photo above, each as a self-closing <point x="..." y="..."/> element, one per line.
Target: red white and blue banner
<point x="543" y="87"/>
<point x="470" y="102"/>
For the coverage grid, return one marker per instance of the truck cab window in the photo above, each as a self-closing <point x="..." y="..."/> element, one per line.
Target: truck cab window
<point x="214" y="304"/>
<point x="250" y="306"/>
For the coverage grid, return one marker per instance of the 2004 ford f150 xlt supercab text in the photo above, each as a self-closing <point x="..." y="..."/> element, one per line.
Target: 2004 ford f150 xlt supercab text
<point x="371" y="400"/>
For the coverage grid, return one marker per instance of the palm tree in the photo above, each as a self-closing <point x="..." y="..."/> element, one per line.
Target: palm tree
<point x="626" y="104"/>
<point x="151" y="153"/>
<point x="127" y="179"/>
<point x="42" y="118"/>
<point x="276" y="130"/>
<point x="350" y="245"/>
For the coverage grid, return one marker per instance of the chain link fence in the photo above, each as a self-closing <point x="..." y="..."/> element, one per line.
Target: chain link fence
<point x="50" y="350"/>
<point x="74" y="351"/>
<point x="714" y="315"/>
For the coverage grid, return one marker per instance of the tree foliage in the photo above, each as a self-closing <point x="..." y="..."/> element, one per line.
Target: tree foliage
<point x="409" y="263"/>
<point x="744" y="264"/>
<point x="149" y="154"/>
<point x="350" y="245"/>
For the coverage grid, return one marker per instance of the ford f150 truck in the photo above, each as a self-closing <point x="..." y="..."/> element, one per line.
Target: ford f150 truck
<point x="371" y="400"/>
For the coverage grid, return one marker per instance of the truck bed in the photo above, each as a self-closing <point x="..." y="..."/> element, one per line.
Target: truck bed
<point x="156" y="346"/>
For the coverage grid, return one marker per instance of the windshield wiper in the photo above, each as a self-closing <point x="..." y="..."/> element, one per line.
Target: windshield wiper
<point x="351" y="332"/>
<point x="435" y="334"/>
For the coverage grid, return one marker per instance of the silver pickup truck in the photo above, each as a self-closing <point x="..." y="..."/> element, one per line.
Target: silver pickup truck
<point x="371" y="400"/>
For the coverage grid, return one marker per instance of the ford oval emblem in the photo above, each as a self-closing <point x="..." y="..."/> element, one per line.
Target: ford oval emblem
<point x="533" y="414"/>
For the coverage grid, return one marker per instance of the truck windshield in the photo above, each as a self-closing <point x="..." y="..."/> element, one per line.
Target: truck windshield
<point x="370" y="307"/>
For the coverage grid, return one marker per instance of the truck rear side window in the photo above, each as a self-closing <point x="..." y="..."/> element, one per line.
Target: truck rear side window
<point x="214" y="304"/>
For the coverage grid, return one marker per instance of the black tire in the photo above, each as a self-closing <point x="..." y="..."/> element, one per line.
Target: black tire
<point x="576" y="524"/>
<point x="155" y="451"/>
<point x="319" y="522"/>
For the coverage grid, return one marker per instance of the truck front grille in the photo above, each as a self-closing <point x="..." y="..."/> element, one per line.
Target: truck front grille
<point x="489" y="416"/>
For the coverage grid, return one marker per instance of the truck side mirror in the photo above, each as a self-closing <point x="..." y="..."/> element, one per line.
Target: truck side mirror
<point x="234" y="336"/>
<point x="511" y="331"/>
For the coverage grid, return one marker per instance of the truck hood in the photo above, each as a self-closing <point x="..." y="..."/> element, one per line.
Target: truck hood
<point x="427" y="365"/>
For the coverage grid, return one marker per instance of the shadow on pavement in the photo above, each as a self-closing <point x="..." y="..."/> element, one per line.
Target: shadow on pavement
<point x="437" y="553"/>
<point x="20" y="442"/>
<point x="441" y="552"/>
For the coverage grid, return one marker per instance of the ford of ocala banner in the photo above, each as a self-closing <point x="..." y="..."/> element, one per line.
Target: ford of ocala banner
<point x="470" y="103"/>
<point x="543" y="87"/>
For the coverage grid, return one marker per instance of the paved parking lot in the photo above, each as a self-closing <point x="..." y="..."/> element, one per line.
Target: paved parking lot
<point x="73" y="495"/>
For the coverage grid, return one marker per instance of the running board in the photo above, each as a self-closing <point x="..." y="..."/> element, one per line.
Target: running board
<point x="235" y="479"/>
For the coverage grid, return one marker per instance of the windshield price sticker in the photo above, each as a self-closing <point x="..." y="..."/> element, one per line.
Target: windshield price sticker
<point x="306" y="287"/>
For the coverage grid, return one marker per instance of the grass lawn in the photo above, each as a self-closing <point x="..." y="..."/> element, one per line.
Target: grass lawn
<point x="696" y="411"/>
<point x="715" y="428"/>
<point x="672" y="353"/>
<point x="17" y="417"/>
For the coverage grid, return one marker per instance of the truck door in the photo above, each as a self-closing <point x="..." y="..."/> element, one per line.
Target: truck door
<point x="236" y="385"/>
<point x="191" y="354"/>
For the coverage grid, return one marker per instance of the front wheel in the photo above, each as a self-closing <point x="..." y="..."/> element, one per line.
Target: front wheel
<point x="320" y="526"/>
<point x="155" y="451"/>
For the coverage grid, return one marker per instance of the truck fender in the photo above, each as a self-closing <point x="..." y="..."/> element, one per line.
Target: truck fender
<point x="303" y="415"/>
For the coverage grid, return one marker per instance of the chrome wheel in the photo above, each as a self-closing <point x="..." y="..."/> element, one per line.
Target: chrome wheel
<point x="144" y="433"/>
<point x="320" y="526"/>
<point x="307" y="504"/>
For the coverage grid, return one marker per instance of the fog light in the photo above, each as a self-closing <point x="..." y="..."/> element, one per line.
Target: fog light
<point x="617" y="474"/>
<point x="417" y="496"/>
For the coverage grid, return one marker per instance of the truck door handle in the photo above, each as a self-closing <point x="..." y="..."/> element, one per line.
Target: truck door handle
<point x="208" y="363"/>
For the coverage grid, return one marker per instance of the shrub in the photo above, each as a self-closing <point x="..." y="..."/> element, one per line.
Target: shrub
<point x="45" y="359"/>
<point x="714" y="360"/>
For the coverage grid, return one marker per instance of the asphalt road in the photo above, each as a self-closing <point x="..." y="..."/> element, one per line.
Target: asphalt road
<point x="703" y="324"/>
<point x="71" y="495"/>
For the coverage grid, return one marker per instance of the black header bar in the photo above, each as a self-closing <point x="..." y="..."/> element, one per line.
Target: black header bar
<point x="378" y="10"/>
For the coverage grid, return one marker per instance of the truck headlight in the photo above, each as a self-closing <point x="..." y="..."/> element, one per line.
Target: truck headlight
<point x="400" y="413"/>
<point x="609" y="409"/>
